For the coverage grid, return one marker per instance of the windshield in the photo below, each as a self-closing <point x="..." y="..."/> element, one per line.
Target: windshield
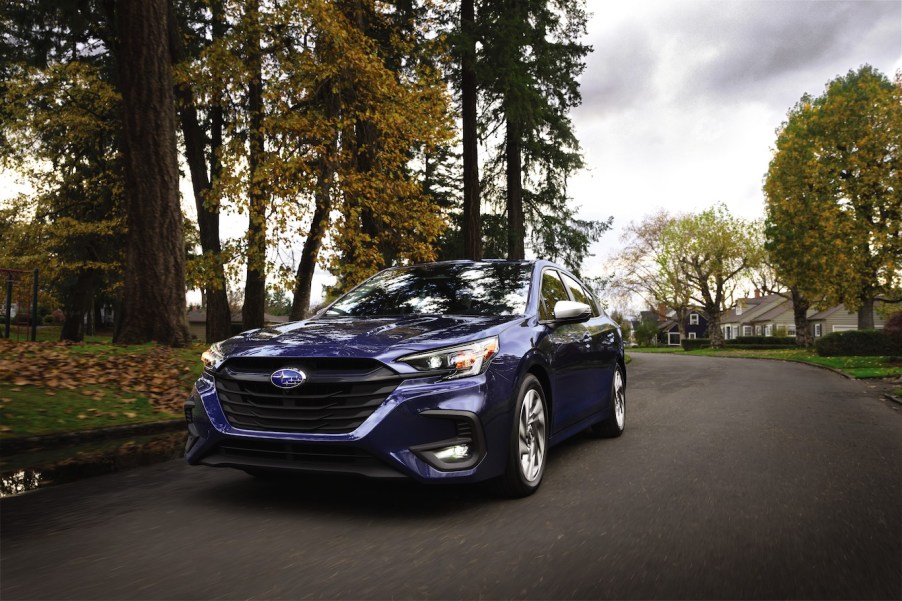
<point x="441" y="289"/>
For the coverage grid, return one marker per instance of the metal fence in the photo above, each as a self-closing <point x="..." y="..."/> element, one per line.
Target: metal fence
<point x="17" y="307"/>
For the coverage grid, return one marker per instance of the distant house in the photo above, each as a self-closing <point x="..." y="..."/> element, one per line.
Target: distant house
<point x="197" y="323"/>
<point x="773" y="315"/>
<point x="695" y="324"/>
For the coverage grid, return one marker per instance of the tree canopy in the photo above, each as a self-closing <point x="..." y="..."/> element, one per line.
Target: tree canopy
<point x="834" y="193"/>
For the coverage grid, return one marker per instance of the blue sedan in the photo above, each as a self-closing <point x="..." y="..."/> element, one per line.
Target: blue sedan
<point x="459" y="371"/>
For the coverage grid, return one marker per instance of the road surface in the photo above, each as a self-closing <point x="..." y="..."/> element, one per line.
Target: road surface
<point x="735" y="478"/>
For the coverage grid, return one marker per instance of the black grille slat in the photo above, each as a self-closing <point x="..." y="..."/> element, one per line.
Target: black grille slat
<point x="337" y="397"/>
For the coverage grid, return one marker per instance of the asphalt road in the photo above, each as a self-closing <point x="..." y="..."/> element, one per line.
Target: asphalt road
<point x="735" y="479"/>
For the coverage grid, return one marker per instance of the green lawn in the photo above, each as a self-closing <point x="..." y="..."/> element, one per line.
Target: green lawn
<point x="856" y="367"/>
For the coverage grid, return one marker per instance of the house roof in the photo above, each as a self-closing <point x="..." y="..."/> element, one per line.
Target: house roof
<point x="753" y="308"/>
<point x="775" y="311"/>
<point x="826" y="313"/>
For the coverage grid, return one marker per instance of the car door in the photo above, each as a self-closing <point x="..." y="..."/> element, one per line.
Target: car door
<point x="601" y="349"/>
<point x="564" y="344"/>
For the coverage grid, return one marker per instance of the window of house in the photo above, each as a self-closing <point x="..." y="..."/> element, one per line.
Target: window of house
<point x="757" y="330"/>
<point x="693" y="319"/>
<point x="818" y="329"/>
<point x="790" y="330"/>
<point x="691" y="335"/>
<point x="673" y="338"/>
<point x="769" y="330"/>
<point x="746" y="330"/>
<point x="728" y="333"/>
<point x="844" y="328"/>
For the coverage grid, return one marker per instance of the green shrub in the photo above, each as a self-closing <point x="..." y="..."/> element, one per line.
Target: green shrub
<point x="893" y="325"/>
<point x="755" y="347"/>
<point x="867" y="343"/>
<point x="690" y="344"/>
<point x="777" y="341"/>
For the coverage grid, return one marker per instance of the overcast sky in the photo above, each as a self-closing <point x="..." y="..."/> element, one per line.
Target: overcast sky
<point x="681" y="99"/>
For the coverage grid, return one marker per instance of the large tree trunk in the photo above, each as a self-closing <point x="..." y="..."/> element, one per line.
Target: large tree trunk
<point x="472" y="224"/>
<point x="713" y="331"/>
<point x="800" y="306"/>
<point x="866" y="313"/>
<point x="516" y="232"/>
<point x="217" y="301"/>
<point x="154" y="292"/>
<point x="255" y="276"/>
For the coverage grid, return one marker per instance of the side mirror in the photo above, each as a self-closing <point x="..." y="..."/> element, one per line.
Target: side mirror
<point x="571" y="310"/>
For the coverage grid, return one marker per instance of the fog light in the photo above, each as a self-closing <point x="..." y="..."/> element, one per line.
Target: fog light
<point x="459" y="452"/>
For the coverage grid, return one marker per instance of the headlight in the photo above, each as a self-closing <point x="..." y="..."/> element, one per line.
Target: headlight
<point x="462" y="361"/>
<point x="213" y="356"/>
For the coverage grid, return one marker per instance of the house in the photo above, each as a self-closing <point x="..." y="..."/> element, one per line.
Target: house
<point x="695" y="324"/>
<point x="839" y="319"/>
<point x="197" y="323"/>
<point x="773" y="315"/>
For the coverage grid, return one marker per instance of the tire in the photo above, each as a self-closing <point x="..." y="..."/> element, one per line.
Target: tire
<point x="529" y="441"/>
<point x="614" y="425"/>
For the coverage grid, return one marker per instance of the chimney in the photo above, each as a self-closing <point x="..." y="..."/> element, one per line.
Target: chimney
<point x="662" y="311"/>
<point x="757" y="293"/>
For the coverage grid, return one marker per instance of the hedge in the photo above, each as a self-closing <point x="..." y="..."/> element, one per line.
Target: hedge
<point x="690" y="344"/>
<point x="777" y="341"/>
<point x="755" y="347"/>
<point x="868" y="343"/>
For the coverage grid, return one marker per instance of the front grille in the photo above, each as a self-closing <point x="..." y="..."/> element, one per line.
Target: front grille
<point x="338" y="396"/>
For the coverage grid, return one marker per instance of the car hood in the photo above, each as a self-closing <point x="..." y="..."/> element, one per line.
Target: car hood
<point x="379" y="337"/>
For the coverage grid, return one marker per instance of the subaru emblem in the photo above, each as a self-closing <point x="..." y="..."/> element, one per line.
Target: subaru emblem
<point x="288" y="378"/>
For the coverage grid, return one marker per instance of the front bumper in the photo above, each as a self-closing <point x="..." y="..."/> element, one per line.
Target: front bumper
<point x="427" y="429"/>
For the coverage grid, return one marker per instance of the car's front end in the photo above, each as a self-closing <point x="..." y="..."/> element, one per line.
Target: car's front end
<point x="422" y="396"/>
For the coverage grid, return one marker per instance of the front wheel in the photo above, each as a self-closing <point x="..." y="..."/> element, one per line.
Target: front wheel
<point x="529" y="441"/>
<point x="613" y="426"/>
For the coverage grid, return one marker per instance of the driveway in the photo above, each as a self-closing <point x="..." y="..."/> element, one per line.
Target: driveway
<point x="735" y="478"/>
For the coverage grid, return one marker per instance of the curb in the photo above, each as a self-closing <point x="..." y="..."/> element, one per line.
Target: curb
<point x="893" y="398"/>
<point x="11" y="446"/>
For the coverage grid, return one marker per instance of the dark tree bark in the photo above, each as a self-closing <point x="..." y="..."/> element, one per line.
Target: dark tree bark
<point x="217" y="302"/>
<point x="472" y="224"/>
<point x="154" y="298"/>
<point x="516" y="233"/>
<point x="300" y="305"/>
<point x="255" y="278"/>
<point x="77" y="305"/>
<point x="800" y="306"/>
<point x="866" y="313"/>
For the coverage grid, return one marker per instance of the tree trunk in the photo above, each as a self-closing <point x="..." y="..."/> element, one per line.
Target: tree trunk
<point x="154" y="291"/>
<point x="300" y="305"/>
<point x="516" y="233"/>
<point x="78" y="303"/>
<point x="800" y="306"/>
<point x="713" y="331"/>
<point x="472" y="224"/>
<point x="217" y="302"/>
<point x="866" y="313"/>
<point x="255" y="276"/>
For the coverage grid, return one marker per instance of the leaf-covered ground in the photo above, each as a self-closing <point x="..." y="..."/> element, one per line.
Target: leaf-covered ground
<point x="48" y="387"/>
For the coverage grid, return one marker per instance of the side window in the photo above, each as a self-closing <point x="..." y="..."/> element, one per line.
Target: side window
<point x="579" y="293"/>
<point x="552" y="291"/>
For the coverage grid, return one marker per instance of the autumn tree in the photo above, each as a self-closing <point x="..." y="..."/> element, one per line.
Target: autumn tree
<point x="59" y="130"/>
<point x="202" y="132"/>
<point x="154" y="289"/>
<point x="834" y="193"/>
<point x="645" y="267"/>
<point x="714" y="250"/>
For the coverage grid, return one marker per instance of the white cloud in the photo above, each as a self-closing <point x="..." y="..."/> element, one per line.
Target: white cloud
<point x="681" y="99"/>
